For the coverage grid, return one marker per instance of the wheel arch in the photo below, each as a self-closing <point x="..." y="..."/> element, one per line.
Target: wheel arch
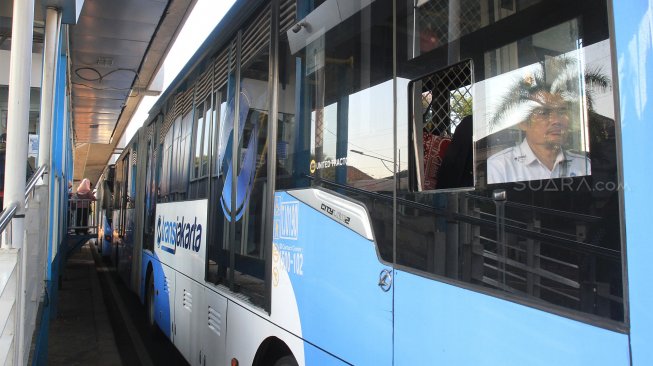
<point x="148" y="273"/>
<point x="270" y="350"/>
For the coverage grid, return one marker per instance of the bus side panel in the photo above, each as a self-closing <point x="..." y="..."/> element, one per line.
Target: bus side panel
<point x="632" y="21"/>
<point x="213" y="327"/>
<point x="334" y="275"/>
<point x="247" y="330"/>
<point x="437" y="323"/>
<point x="316" y="356"/>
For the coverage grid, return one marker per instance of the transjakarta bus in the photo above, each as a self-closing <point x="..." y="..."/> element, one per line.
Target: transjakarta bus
<point x="422" y="182"/>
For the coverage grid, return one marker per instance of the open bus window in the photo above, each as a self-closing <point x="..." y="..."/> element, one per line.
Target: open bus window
<point x="441" y="129"/>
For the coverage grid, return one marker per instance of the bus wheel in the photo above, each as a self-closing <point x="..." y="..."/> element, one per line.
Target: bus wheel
<point x="288" y="360"/>
<point x="150" y="302"/>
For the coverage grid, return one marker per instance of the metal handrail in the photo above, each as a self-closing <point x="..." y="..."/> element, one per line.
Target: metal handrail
<point x="29" y="187"/>
<point x="7" y="215"/>
<point x="9" y="212"/>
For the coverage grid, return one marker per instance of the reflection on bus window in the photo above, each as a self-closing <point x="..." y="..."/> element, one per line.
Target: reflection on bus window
<point x="538" y="127"/>
<point x="437" y="22"/>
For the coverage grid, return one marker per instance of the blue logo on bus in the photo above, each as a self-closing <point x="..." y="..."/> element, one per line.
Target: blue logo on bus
<point x="245" y="179"/>
<point x="178" y="233"/>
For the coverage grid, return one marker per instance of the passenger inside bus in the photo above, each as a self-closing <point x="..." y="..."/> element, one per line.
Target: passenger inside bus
<point x="540" y="155"/>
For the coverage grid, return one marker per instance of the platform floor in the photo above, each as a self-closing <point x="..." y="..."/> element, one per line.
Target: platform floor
<point x="81" y="334"/>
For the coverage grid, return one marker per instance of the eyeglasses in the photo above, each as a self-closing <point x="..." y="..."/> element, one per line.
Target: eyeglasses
<point x="547" y="112"/>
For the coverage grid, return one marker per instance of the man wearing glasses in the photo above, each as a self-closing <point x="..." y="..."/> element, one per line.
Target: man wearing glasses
<point x="541" y="154"/>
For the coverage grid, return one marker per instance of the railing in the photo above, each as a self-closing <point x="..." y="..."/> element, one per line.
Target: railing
<point x="22" y="286"/>
<point x="9" y="212"/>
<point x="81" y="216"/>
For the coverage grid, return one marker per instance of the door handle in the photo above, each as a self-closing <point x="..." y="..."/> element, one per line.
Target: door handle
<point x="385" y="280"/>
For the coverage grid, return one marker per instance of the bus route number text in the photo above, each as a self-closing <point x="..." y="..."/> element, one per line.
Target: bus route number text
<point x="292" y="261"/>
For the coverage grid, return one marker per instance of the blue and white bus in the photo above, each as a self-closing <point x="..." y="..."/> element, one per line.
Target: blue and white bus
<point x="384" y="182"/>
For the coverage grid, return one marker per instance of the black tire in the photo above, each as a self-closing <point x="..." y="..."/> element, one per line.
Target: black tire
<point x="149" y="303"/>
<point x="288" y="360"/>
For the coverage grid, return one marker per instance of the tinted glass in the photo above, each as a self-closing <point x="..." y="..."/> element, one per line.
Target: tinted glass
<point x="252" y="176"/>
<point x="198" y="129"/>
<point x="552" y="241"/>
<point x="341" y="134"/>
<point x="436" y="23"/>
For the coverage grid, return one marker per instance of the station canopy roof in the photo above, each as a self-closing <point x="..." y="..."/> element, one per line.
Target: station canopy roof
<point x="116" y="49"/>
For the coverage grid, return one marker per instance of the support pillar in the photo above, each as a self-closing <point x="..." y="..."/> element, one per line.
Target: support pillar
<point x="50" y="58"/>
<point x="20" y="68"/>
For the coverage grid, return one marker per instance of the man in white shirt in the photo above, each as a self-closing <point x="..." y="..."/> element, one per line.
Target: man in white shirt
<point x="540" y="155"/>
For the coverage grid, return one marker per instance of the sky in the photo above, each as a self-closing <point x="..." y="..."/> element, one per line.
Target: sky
<point x="203" y="18"/>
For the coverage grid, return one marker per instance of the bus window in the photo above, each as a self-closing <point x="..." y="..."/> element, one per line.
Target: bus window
<point x="290" y="150"/>
<point x="166" y="168"/>
<point x="198" y="186"/>
<point x="249" y="253"/>
<point x="541" y="225"/>
<point x="218" y="243"/>
<point x="237" y="249"/>
<point x="342" y="130"/>
<point x="183" y="156"/>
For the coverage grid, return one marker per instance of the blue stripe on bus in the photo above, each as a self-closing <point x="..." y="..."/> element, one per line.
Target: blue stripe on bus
<point x="167" y="249"/>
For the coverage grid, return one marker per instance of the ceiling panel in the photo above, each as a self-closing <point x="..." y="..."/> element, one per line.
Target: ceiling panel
<point x="104" y="118"/>
<point x="80" y="91"/>
<point x="106" y="47"/>
<point x="97" y="103"/>
<point x="96" y="58"/>
<point x="113" y="35"/>
<point x="137" y="11"/>
<point x="116" y="28"/>
<point x="123" y="84"/>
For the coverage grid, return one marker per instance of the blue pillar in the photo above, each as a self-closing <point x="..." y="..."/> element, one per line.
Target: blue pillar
<point x="634" y="54"/>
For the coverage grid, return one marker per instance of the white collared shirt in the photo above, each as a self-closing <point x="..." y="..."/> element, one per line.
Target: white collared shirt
<point x="519" y="163"/>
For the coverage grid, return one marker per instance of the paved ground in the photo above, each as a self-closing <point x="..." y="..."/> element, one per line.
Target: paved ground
<point x="101" y="322"/>
<point x="81" y="333"/>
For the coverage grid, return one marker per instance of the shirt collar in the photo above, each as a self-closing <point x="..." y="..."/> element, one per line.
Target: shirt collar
<point x="529" y="156"/>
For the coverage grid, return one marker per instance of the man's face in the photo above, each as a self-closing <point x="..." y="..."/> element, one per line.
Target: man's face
<point x="548" y="124"/>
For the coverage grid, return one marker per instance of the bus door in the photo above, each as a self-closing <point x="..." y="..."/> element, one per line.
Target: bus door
<point x="508" y="234"/>
<point x="127" y="218"/>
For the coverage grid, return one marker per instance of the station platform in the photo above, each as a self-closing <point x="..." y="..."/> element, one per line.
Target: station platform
<point x="81" y="333"/>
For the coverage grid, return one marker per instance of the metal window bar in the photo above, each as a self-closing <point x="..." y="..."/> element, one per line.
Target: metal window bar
<point x="446" y="99"/>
